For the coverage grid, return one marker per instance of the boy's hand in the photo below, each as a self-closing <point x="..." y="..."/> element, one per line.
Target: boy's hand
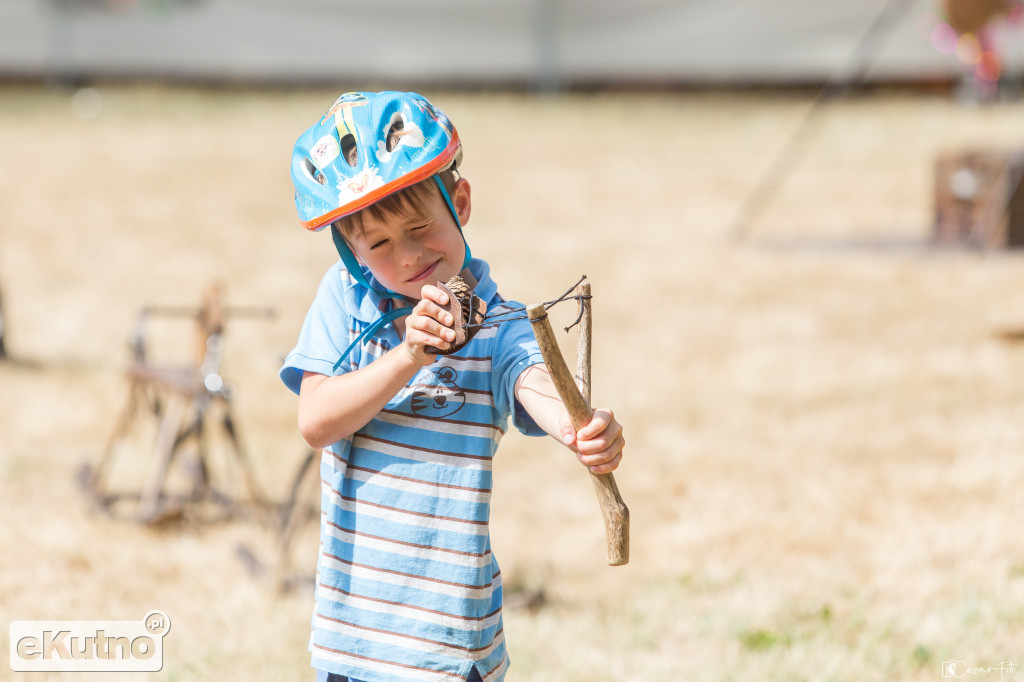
<point x="599" y="444"/>
<point x="428" y="325"/>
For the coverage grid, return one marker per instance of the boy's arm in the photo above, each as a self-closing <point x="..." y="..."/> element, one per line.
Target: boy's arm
<point x="332" y="408"/>
<point x="598" y="445"/>
<point x="335" y="407"/>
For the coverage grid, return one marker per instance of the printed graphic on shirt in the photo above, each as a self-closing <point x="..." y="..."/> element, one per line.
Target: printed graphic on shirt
<point x="442" y="397"/>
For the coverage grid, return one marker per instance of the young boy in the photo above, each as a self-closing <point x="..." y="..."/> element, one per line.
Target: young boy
<point x="407" y="587"/>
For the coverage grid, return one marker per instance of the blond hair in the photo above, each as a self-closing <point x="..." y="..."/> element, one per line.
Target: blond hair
<point x="407" y="200"/>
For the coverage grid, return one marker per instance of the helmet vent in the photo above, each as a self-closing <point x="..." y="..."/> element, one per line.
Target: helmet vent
<point x="313" y="172"/>
<point x="395" y="131"/>
<point x="349" y="149"/>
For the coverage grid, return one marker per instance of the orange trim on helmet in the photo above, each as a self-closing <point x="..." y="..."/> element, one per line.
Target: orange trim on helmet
<point x="407" y="180"/>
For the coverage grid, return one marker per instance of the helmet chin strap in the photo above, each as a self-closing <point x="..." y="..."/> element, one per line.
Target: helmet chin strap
<point x="353" y="266"/>
<point x="451" y="207"/>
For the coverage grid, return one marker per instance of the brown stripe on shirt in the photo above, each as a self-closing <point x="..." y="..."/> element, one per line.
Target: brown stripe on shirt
<point x="477" y="391"/>
<point x="381" y="660"/>
<point x="444" y="420"/>
<point x="416" y="545"/>
<point x="403" y="605"/>
<point x="436" y="642"/>
<point x="492" y="670"/>
<point x="422" y="449"/>
<point x="419" y="480"/>
<point x="390" y="571"/>
<point x="407" y="511"/>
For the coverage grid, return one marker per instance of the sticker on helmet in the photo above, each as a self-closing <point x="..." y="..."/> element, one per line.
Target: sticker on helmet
<point x="358" y="185"/>
<point x="324" y="151"/>
<point x="436" y="114"/>
<point x="345" y="101"/>
<point x="410" y="136"/>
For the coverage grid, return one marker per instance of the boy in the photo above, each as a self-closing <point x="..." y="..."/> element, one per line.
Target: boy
<point x="407" y="588"/>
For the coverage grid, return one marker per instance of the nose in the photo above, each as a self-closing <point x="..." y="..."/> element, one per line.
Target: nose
<point x="409" y="251"/>
<point x="440" y="400"/>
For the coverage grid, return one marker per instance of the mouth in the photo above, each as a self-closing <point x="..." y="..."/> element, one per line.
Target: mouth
<point x="425" y="272"/>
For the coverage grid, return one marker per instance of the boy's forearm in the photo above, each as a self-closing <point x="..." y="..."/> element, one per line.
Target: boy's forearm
<point x="334" y="407"/>
<point x="598" y="444"/>
<point x="537" y="394"/>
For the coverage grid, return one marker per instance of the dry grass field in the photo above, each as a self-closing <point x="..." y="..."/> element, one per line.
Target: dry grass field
<point x="825" y="422"/>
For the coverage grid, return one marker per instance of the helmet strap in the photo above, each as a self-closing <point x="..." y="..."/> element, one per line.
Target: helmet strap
<point x="370" y="331"/>
<point x="451" y="207"/>
<point x="352" y="265"/>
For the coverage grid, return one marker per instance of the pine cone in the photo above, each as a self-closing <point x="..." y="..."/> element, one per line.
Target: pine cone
<point x="458" y="286"/>
<point x="466" y="309"/>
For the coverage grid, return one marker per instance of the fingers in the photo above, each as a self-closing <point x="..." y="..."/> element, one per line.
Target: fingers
<point x="601" y="420"/>
<point x="429" y="292"/>
<point x="604" y="460"/>
<point x="606" y="468"/>
<point x="429" y="325"/>
<point x="566" y="429"/>
<point x="430" y="306"/>
<point x="599" y="444"/>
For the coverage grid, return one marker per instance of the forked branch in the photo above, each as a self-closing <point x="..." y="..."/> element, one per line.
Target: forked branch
<point x="616" y="514"/>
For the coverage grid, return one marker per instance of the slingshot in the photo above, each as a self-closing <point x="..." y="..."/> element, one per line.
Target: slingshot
<point x="576" y="397"/>
<point x="469" y="316"/>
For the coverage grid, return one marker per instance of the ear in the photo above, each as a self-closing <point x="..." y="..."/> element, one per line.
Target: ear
<point x="462" y="200"/>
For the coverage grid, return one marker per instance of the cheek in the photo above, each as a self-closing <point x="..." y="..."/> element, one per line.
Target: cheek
<point x="378" y="262"/>
<point x="451" y="242"/>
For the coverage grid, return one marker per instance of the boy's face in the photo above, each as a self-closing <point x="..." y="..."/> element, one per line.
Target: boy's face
<point x="406" y="250"/>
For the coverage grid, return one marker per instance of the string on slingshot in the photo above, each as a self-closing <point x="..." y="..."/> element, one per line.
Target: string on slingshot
<point x="498" y="318"/>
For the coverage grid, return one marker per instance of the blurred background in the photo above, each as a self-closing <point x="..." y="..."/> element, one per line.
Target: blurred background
<point x="802" y="223"/>
<point x="544" y="44"/>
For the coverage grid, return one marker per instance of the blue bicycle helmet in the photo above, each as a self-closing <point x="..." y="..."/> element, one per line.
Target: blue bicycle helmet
<point x="367" y="146"/>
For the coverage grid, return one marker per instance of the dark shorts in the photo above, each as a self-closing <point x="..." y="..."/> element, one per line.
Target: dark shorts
<point x="324" y="676"/>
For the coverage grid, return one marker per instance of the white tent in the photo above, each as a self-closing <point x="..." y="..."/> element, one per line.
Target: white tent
<point x="468" y="41"/>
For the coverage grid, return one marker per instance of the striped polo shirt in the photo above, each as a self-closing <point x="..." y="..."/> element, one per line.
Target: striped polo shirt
<point x="407" y="586"/>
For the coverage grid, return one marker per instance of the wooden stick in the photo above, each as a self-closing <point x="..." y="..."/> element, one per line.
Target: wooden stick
<point x="616" y="514"/>
<point x="583" y="341"/>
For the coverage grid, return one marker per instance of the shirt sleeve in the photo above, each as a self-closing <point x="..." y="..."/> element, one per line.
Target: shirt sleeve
<point x="515" y="350"/>
<point x="324" y="336"/>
